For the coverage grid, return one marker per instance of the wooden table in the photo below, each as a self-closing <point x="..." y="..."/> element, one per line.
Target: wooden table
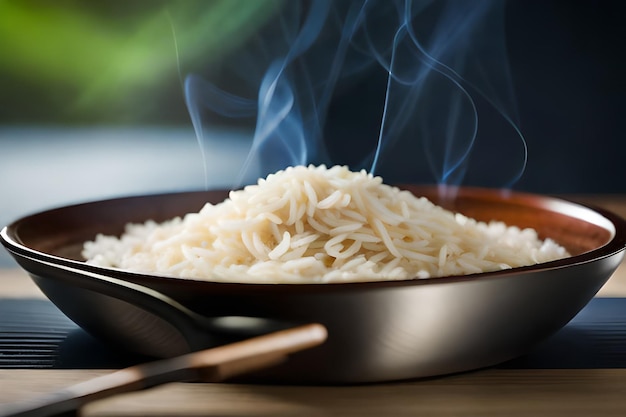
<point x="490" y="392"/>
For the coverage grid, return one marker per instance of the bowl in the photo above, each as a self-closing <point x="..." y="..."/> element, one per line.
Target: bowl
<point x="377" y="331"/>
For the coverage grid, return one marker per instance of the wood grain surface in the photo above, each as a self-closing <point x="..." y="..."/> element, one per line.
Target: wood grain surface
<point x="492" y="392"/>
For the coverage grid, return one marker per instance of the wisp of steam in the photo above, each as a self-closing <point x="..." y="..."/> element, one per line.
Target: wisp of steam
<point x="446" y="98"/>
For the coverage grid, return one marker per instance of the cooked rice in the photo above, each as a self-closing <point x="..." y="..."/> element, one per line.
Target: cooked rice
<point x="318" y="224"/>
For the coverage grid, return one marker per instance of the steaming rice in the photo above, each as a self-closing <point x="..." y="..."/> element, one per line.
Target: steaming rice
<point x="318" y="224"/>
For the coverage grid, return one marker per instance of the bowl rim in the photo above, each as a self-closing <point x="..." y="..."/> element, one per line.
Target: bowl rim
<point x="600" y="216"/>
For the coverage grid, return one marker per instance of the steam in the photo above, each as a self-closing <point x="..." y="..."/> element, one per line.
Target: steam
<point x="447" y="88"/>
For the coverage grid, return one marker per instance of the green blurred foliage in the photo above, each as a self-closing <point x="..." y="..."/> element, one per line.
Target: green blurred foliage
<point x="70" y="61"/>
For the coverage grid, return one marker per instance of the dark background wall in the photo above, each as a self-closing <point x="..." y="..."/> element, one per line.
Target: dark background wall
<point x="568" y="63"/>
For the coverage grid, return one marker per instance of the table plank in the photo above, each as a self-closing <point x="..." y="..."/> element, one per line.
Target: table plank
<point x="487" y="392"/>
<point x="15" y="283"/>
<point x="616" y="286"/>
<point x="482" y="393"/>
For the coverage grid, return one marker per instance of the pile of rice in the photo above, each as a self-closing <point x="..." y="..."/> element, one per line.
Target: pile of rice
<point x="318" y="224"/>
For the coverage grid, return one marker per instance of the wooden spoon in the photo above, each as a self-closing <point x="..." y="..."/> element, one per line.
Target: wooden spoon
<point x="210" y="365"/>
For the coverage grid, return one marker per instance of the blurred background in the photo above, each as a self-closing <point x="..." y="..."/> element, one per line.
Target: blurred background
<point x="92" y="101"/>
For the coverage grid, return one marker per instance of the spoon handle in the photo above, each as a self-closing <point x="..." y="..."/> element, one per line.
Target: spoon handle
<point x="210" y="365"/>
